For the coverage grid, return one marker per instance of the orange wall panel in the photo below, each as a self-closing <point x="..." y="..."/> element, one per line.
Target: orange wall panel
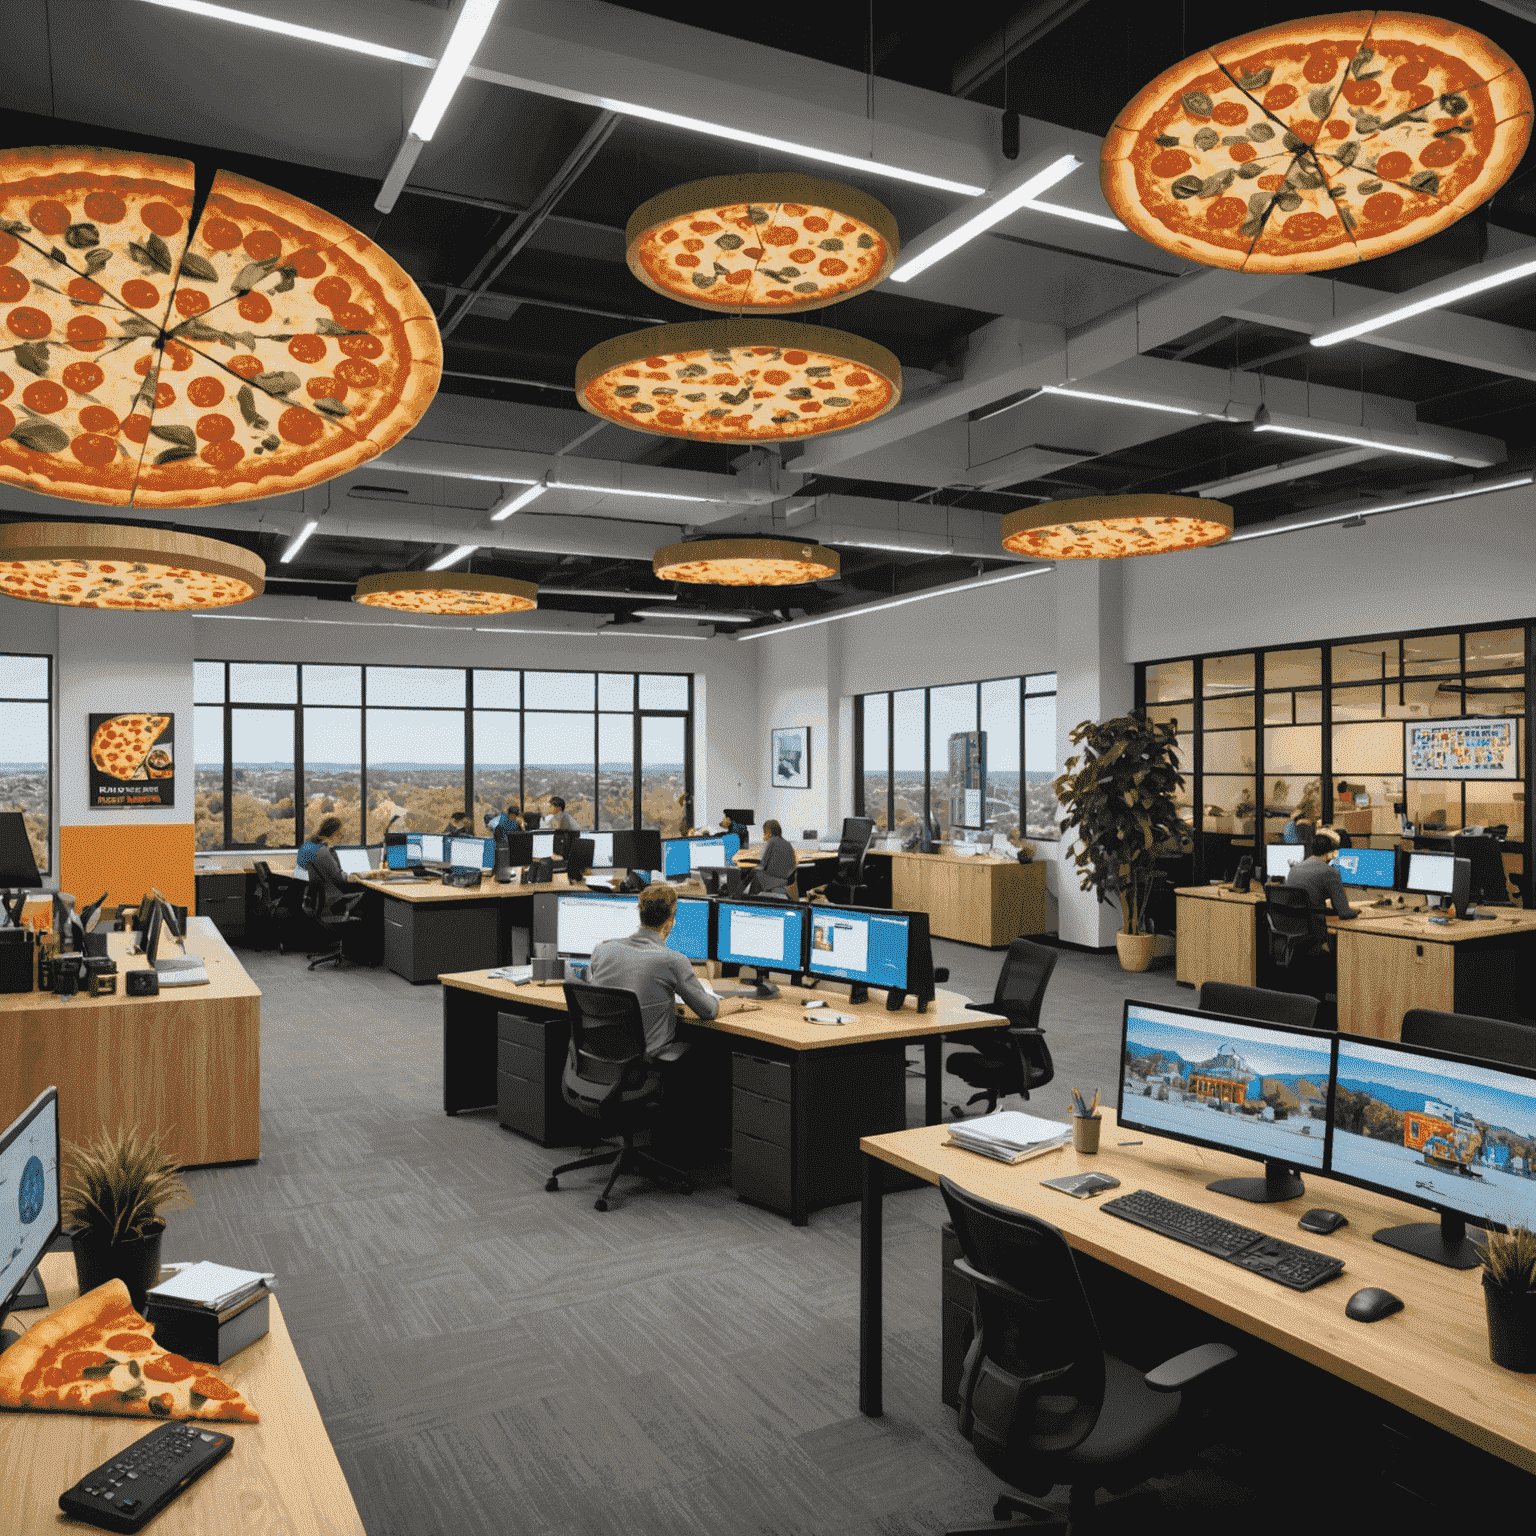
<point x="125" y="861"/>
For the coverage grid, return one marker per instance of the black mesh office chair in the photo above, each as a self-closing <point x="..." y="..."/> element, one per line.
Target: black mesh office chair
<point x="335" y="913"/>
<point x="1040" y="1401"/>
<point x="1236" y="1002"/>
<point x="846" y="888"/>
<point x="271" y="908"/>
<point x="1297" y="930"/>
<point x="1468" y="1035"/>
<point x="578" y="859"/>
<point x="608" y="1079"/>
<point x="1013" y="1058"/>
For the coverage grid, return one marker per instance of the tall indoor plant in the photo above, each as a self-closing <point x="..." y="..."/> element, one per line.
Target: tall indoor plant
<point x="1118" y="796"/>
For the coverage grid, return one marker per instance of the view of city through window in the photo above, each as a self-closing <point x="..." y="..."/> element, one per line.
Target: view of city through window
<point x="26" y="759"/>
<point x="405" y="747"/>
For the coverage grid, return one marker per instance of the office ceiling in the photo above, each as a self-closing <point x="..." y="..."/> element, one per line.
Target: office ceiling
<point x="531" y="166"/>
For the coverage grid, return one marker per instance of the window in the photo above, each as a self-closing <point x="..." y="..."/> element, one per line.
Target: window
<point x="918" y="751"/>
<point x="278" y="748"/>
<point x="26" y="756"/>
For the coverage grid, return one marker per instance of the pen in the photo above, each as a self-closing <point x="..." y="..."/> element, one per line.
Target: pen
<point x="1127" y="1143"/>
<point x="1093" y="1108"/>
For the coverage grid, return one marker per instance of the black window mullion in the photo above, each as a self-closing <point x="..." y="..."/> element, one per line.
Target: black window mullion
<point x="229" y="767"/>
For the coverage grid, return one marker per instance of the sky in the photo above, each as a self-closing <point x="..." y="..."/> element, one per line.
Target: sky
<point x="1199" y="1039"/>
<point x="1475" y="1089"/>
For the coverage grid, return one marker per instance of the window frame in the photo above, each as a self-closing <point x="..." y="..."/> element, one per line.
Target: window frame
<point x="49" y="702"/>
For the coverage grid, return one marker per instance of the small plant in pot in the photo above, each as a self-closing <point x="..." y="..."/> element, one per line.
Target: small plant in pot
<point x="1119" y="798"/>
<point x="1509" y="1290"/>
<point x="113" y="1192"/>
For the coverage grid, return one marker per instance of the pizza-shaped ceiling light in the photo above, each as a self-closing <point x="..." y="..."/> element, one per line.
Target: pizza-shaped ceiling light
<point x="1113" y="527"/>
<point x="446" y="592"/>
<point x="151" y="359"/>
<point x="1318" y="143"/>
<point x="96" y="565"/>
<point x="776" y="242"/>
<point x="746" y="563"/>
<point x="738" y="381"/>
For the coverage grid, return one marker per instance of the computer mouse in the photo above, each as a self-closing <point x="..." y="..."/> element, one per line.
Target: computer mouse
<point x="1322" y="1221"/>
<point x="1371" y="1305"/>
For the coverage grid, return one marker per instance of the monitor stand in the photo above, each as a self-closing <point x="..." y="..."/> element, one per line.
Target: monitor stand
<point x="858" y="992"/>
<point x="765" y="988"/>
<point x="1443" y="1242"/>
<point x="1280" y="1182"/>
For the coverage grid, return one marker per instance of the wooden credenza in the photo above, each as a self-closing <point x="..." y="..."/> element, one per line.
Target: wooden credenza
<point x="979" y="900"/>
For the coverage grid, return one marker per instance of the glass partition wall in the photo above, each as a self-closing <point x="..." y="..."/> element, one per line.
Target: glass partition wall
<point x="1320" y="729"/>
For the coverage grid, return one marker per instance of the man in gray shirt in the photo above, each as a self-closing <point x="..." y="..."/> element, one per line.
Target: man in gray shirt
<point x="1319" y="879"/>
<point x="557" y="820"/>
<point x="641" y="963"/>
<point x="776" y="863"/>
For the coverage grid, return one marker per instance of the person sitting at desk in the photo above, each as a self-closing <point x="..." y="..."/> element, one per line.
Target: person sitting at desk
<point x="743" y="833"/>
<point x="641" y="963"/>
<point x="1317" y="876"/>
<point x="508" y="820"/>
<point x="315" y="842"/>
<point x="558" y="821"/>
<point x="776" y="863"/>
<point x="459" y="825"/>
<point x="322" y="861"/>
<point x="1294" y="831"/>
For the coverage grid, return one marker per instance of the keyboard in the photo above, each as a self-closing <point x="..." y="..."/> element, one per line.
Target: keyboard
<point x="187" y="978"/>
<point x="1273" y="1257"/>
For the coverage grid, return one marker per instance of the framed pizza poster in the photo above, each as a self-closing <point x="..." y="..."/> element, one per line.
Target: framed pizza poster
<point x="1462" y="749"/>
<point x="133" y="761"/>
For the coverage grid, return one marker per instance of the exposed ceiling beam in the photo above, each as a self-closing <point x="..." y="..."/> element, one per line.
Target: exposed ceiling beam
<point x="1279" y="474"/>
<point x="1025" y="28"/>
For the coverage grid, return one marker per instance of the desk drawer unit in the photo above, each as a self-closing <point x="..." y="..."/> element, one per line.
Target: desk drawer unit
<point x="423" y="941"/>
<point x="222" y="898"/>
<point x="530" y="1059"/>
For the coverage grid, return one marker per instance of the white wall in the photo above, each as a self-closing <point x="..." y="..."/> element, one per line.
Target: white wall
<point x="798" y="683"/>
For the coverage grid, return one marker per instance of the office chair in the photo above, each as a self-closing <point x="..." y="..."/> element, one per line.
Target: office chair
<point x="846" y="888"/>
<point x="333" y="911"/>
<point x="1236" y="1002"/>
<point x="1013" y="1058"/>
<point x="1040" y="1401"/>
<point x="1297" y="931"/>
<point x="531" y="821"/>
<point x="1468" y="1035"/>
<point x="271" y="907"/>
<point x="1489" y="887"/>
<point x="578" y="859"/>
<point x="608" y="1079"/>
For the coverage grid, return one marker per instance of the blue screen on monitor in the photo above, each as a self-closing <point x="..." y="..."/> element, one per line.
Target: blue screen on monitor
<point x="1374" y="867"/>
<point x="1258" y="1089"/>
<point x="766" y="936"/>
<point x="1447" y="1133"/>
<point x="398" y="855"/>
<point x="674" y="856"/>
<point x="860" y="946"/>
<point x="690" y="934"/>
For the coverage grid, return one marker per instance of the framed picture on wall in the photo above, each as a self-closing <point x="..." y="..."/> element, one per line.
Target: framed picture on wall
<point x="1466" y="748"/>
<point x="132" y="761"/>
<point x="789" y="757"/>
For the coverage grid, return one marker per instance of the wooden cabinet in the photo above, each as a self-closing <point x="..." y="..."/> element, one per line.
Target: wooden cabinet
<point x="1217" y="937"/>
<point x="982" y="901"/>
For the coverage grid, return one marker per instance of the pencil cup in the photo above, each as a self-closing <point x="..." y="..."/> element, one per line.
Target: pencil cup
<point x="1085" y="1133"/>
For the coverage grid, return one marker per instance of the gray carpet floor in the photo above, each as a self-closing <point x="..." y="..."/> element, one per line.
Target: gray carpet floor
<point x="489" y="1357"/>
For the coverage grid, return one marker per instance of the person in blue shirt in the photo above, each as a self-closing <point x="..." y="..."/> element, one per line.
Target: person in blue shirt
<point x="323" y="837"/>
<point x="508" y="821"/>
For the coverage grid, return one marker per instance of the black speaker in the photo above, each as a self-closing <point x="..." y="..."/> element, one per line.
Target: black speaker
<point x="1244" y="876"/>
<point x="503" y="866"/>
<point x="18" y="960"/>
<point x="543" y="871"/>
<point x="141" y="983"/>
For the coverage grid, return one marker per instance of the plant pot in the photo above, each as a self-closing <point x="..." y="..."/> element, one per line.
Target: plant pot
<point x="1511" y="1327"/>
<point x="1137" y="950"/>
<point x="135" y="1262"/>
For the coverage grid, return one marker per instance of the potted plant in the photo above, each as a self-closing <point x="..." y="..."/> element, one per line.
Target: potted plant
<point x="112" y="1193"/>
<point x="1119" y="797"/>
<point x="1509" y="1292"/>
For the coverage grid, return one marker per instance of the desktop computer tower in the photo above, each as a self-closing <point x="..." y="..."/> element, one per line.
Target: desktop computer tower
<point x="18" y="960"/>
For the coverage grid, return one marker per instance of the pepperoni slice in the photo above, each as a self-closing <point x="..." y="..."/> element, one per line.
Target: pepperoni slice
<point x="795" y="359"/>
<point x="164" y="396"/>
<point x="686" y="260"/>
<point x="306" y="263"/>
<point x="97" y="418"/>
<point x="140" y="294"/>
<point x="1226" y="212"/>
<point x="1280" y="96"/>
<point x="170" y="1368"/>
<point x="1230" y="113"/>
<point x="105" y="208"/>
<point x="1304" y="226"/>
<point x="13" y="285"/>
<point x="1243" y="152"/>
<point x="856" y="380"/>
<point x="804" y="256"/>
<point x="307" y="349"/>
<point x="736" y="279"/>
<point x="810" y="407"/>
<point x="300" y="427"/>
<point x="1441" y="152"/>
<point x="81" y="1360"/>
<point x="815" y="222"/>
<point x="28" y="323"/>
<point x="221" y="234"/>
<point x="45" y="396"/>
<point x="1307" y="129"/>
<point x="211" y="1387"/>
<point x="777" y="376"/>
<point x="357" y="373"/>
<point x="85" y="333"/>
<point x="1383" y="207"/>
<point x="1406" y="76"/>
<point x="325" y="387"/>
<point x="833" y="266"/>
<point x="353" y="316"/>
<point x="1394" y="164"/>
<point x="255" y="307"/>
<point x="190" y="302"/>
<point x="223" y="454"/>
<point x="162" y="218"/>
<point x="246" y="365"/>
<point x="262" y="245"/>
<point x="9" y="246"/>
<point x="703" y="226"/>
<point x="7" y="384"/>
<point x="83" y="377"/>
<point x="361" y="346"/>
<point x="1322" y="64"/>
<point x="1271" y="183"/>
<point x="205" y="392"/>
<point x="1360" y="93"/>
<point x="781" y="236"/>
<point x="179" y="357"/>
<point x="693" y="245"/>
<point x="96" y="451"/>
<point x="332" y="291"/>
<point x="215" y="427"/>
<point x="48" y="217"/>
<point x="7" y="420"/>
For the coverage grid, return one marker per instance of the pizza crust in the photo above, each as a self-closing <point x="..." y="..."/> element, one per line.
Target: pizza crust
<point x="1119" y="182"/>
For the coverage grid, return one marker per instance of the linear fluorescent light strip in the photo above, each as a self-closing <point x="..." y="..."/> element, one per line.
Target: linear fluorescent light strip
<point x="468" y="32"/>
<point x="935" y="547"/>
<point x="293" y="29"/>
<point x="631" y="597"/>
<point x="981" y="221"/>
<point x="453" y="557"/>
<point x="1359" y="442"/>
<point x="703" y="617"/>
<point x="1102" y="220"/>
<point x="624" y="490"/>
<point x="299" y="540"/>
<point x="1146" y="405"/>
<point x="519" y="502"/>
<point x="1391" y="506"/>
<point x="894" y="602"/>
<point x="1421" y="306"/>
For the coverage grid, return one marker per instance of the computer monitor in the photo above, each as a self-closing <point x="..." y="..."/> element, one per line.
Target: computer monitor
<point x="471" y="852"/>
<point x="543" y="845"/>
<point x="746" y="818"/>
<point x="866" y="948"/>
<point x="1431" y="874"/>
<point x="353" y="860"/>
<point x="1278" y="858"/>
<point x="1485" y="858"/>
<point x="638" y="849"/>
<point x="399" y="855"/>
<point x="18" y="867"/>
<point x="602" y="849"/>
<point x="583" y="922"/>
<point x="1373" y="868"/>
<point x="690" y="933"/>
<point x="30" y="1212"/>
<point x="1259" y="1090"/>
<point x="708" y="853"/>
<point x="1448" y="1132"/>
<point x="674" y="857"/>
<point x="768" y="935"/>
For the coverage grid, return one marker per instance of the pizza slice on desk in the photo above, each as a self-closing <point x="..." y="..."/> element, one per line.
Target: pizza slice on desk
<point x="96" y="1355"/>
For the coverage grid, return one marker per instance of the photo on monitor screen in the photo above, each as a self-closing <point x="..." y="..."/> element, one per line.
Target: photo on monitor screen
<point x="860" y="946"/>
<point x="1258" y="1089"/>
<point x="1448" y="1133"/>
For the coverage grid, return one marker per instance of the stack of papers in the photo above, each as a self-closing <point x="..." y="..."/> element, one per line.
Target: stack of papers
<point x="209" y="1287"/>
<point x="1009" y="1136"/>
<point x="518" y="975"/>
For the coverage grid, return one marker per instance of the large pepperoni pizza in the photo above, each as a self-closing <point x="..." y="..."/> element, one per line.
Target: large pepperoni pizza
<point x="151" y="355"/>
<point x="1318" y="142"/>
<point x="123" y="746"/>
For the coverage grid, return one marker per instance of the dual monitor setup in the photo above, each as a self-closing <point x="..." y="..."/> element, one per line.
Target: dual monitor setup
<point x="1439" y="876"/>
<point x="419" y="850"/>
<point x="680" y="856"/>
<point x="864" y="947"/>
<point x="1448" y="1132"/>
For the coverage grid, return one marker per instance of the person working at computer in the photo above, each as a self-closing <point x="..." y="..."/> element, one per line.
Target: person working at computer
<point x="314" y="843"/>
<point x="1317" y="876"/>
<point x="776" y="863"/>
<point x="322" y="861"/>
<point x="641" y="963"/>
<point x="507" y="820"/>
<point x="1295" y="829"/>
<point x="558" y="821"/>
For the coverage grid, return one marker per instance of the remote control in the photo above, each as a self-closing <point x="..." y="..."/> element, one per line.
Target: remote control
<point x="126" y="1492"/>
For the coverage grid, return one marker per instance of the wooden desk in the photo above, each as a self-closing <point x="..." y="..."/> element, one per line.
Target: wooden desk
<point x="1431" y="1359"/>
<point x="1218" y="935"/>
<point x="186" y="1063"/>
<point x="802" y="1093"/>
<point x="281" y="1476"/>
<point x="982" y="900"/>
